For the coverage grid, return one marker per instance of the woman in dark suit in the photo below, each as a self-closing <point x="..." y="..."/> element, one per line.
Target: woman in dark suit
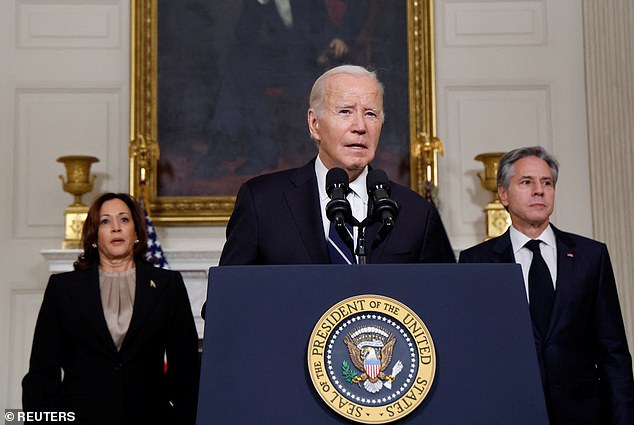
<point x="105" y="330"/>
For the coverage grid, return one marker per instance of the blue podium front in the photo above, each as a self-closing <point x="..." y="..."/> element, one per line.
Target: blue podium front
<point x="263" y="323"/>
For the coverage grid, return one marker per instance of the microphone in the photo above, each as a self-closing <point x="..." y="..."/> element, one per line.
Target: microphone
<point x="385" y="209"/>
<point x="338" y="209"/>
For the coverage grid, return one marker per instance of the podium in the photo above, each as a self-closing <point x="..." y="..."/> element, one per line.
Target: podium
<point x="259" y="321"/>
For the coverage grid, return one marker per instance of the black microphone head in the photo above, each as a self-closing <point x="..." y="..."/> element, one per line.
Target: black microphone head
<point x="336" y="177"/>
<point x="377" y="179"/>
<point x="338" y="209"/>
<point x="383" y="209"/>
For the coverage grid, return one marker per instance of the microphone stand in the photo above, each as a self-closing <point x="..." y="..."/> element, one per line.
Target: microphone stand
<point x="360" y="251"/>
<point x="386" y="227"/>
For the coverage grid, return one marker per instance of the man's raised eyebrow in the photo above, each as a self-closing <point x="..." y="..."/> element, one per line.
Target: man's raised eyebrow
<point x="344" y="105"/>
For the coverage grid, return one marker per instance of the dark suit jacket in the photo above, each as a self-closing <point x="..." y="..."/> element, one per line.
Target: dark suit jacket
<point x="584" y="359"/>
<point x="100" y="384"/>
<point x="277" y="220"/>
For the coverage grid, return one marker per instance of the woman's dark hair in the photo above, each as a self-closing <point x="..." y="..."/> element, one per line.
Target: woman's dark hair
<point x="90" y="231"/>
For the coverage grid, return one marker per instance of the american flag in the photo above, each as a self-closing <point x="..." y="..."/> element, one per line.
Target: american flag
<point x="154" y="252"/>
<point x="372" y="367"/>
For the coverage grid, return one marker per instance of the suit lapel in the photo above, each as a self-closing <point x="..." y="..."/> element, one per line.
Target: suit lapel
<point x="375" y="247"/>
<point x="566" y="271"/>
<point x="147" y="292"/>
<point x="503" y="249"/>
<point x="305" y="194"/>
<point x="86" y="296"/>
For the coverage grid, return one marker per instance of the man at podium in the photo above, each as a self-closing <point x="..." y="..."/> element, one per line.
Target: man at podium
<point x="585" y="364"/>
<point x="280" y="218"/>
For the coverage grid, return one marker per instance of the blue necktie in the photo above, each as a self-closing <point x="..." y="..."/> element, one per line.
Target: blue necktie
<point x="541" y="292"/>
<point x="340" y="252"/>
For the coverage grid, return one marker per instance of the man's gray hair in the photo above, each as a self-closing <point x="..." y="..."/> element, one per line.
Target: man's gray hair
<point x="316" y="100"/>
<point x="506" y="169"/>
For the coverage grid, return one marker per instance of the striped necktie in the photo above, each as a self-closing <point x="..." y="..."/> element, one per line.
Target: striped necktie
<point x="285" y="11"/>
<point x="340" y="252"/>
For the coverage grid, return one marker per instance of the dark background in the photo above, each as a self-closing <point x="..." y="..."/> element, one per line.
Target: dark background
<point x="233" y="85"/>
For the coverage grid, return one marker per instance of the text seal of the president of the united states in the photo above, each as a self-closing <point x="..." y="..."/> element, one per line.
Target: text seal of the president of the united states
<point x="371" y="359"/>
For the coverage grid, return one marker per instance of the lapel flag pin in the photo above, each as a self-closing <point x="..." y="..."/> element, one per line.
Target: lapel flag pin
<point x="152" y="284"/>
<point x="571" y="255"/>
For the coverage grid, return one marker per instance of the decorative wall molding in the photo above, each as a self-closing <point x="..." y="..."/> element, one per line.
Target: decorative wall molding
<point x="498" y="117"/>
<point x="495" y="23"/>
<point x="55" y="25"/>
<point x="56" y="121"/>
<point x="24" y="308"/>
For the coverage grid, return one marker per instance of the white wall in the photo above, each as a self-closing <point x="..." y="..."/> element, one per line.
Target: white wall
<point x="63" y="90"/>
<point x="510" y="73"/>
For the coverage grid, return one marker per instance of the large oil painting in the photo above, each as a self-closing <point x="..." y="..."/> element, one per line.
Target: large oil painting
<point x="220" y="92"/>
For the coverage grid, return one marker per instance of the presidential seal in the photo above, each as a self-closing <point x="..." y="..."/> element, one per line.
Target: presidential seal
<point x="371" y="359"/>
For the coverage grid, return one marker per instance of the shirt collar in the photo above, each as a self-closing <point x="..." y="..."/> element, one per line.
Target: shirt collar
<point x="358" y="186"/>
<point x="519" y="239"/>
<point x="321" y="171"/>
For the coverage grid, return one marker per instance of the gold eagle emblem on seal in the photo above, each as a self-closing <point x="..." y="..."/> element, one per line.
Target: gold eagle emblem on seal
<point x="371" y="359"/>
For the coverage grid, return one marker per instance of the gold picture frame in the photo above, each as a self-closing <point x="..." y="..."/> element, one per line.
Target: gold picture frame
<point x="215" y="210"/>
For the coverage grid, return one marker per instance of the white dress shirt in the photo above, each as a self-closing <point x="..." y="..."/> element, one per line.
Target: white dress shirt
<point x="358" y="197"/>
<point x="524" y="256"/>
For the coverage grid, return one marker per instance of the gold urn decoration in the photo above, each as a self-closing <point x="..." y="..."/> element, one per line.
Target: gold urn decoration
<point x="425" y="153"/>
<point x="78" y="182"/>
<point x="497" y="218"/>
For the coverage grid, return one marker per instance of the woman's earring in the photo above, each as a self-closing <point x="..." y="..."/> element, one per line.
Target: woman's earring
<point x="94" y="245"/>
<point x="136" y="241"/>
